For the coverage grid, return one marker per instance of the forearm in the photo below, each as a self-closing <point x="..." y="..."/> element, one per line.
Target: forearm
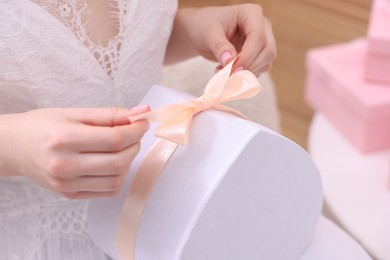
<point x="5" y="151"/>
<point x="179" y="46"/>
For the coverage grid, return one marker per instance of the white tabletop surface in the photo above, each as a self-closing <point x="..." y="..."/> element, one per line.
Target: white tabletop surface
<point x="331" y="243"/>
<point x="356" y="186"/>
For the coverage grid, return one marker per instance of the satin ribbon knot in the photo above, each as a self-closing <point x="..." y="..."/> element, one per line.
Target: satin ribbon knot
<point x="203" y="103"/>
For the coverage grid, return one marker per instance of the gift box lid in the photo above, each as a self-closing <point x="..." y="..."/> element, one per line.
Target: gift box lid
<point x="344" y="66"/>
<point x="379" y="28"/>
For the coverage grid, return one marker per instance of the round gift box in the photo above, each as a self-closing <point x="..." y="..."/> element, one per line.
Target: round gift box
<point x="237" y="190"/>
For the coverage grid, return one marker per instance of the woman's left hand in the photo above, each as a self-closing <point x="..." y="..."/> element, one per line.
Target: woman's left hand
<point x="221" y="33"/>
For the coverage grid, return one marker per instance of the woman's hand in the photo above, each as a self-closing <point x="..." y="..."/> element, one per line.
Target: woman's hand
<point x="76" y="152"/>
<point x="221" y="33"/>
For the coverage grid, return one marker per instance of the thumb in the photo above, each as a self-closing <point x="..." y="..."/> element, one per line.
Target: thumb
<point x="222" y="48"/>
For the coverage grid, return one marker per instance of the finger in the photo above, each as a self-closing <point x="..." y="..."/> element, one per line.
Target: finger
<point x="264" y="60"/>
<point x="259" y="67"/>
<point x="218" y="68"/>
<point x="271" y="42"/>
<point x="111" y="116"/>
<point x="252" y="23"/>
<point x="93" y="184"/>
<point x="91" y="164"/>
<point x="265" y="69"/>
<point x="222" y="48"/>
<point x="86" y="138"/>
<point x="89" y="195"/>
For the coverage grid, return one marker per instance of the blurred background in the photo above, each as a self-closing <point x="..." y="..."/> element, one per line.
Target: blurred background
<point x="356" y="183"/>
<point x="298" y="26"/>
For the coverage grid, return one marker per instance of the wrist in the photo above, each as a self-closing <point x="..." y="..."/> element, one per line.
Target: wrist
<point x="180" y="46"/>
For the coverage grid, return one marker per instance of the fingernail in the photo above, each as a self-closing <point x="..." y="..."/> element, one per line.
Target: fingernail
<point x="218" y="68"/>
<point x="225" y="57"/>
<point x="139" y="108"/>
<point x="238" y="69"/>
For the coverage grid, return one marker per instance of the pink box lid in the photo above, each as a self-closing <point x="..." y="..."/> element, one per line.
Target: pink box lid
<point x="379" y="27"/>
<point x="345" y="64"/>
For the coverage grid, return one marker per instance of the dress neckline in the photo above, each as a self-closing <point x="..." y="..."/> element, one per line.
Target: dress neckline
<point x="107" y="57"/>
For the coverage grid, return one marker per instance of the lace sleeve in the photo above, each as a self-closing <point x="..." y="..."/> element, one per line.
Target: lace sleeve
<point x="14" y="94"/>
<point x="13" y="18"/>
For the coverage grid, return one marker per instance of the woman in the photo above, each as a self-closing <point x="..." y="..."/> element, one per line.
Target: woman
<point x="68" y="71"/>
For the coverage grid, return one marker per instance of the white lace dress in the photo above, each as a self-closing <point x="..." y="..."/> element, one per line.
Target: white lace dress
<point x="47" y="59"/>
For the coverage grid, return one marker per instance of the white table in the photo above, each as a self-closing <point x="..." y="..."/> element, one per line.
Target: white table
<point x="331" y="243"/>
<point x="356" y="186"/>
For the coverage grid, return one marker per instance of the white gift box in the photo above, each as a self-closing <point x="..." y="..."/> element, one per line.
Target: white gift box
<point x="237" y="190"/>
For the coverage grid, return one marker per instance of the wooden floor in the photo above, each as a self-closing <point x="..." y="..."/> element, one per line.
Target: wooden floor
<point x="298" y="26"/>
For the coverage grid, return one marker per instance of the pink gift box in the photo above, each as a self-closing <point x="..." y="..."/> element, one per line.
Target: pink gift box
<point x="335" y="86"/>
<point x="378" y="58"/>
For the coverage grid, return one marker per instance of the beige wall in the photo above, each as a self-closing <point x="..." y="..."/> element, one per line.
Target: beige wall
<point x="298" y="26"/>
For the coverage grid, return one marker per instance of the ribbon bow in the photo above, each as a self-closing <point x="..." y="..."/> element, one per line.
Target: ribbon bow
<point x="222" y="87"/>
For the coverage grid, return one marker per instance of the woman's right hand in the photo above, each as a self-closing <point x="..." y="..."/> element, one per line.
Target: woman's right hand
<point x="76" y="152"/>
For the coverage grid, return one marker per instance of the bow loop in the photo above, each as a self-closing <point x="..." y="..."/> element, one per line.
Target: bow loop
<point x="176" y="119"/>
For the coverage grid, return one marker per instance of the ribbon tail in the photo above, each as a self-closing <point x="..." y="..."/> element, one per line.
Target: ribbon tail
<point x="161" y="114"/>
<point x="230" y="110"/>
<point x="137" y="196"/>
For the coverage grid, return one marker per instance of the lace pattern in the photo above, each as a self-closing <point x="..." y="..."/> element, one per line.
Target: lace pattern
<point x="76" y="16"/>
<point x="47" y="222"/>
<point x="48" y="60"/>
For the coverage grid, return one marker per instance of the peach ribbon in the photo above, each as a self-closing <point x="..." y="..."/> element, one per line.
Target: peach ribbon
<point x="174" y="130"/>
